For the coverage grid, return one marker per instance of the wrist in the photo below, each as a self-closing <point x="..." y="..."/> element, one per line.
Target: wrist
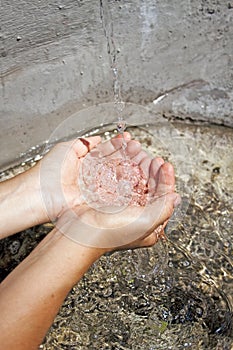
<point x="21" y="204"/>
<point x="33" y="196"/>
<point x="64" y="259"/>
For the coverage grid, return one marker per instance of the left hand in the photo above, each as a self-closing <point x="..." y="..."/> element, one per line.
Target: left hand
<point x="59" y="173"/>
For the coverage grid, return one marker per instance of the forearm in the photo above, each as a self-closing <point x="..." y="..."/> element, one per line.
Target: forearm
<point x="21" y="204"/>
<point x="32" y="294"/>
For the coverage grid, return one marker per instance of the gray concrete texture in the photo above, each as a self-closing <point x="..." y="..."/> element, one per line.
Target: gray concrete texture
<point x="54" y="62"/>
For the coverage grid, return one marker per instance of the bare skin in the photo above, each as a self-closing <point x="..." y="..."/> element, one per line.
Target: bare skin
<point x="92" y="227"/>
<point x="32" y="294"/>
<point x="21" y="197"/>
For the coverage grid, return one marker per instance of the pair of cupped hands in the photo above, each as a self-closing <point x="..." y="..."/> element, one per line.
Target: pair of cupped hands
<point x="131" y="227"/>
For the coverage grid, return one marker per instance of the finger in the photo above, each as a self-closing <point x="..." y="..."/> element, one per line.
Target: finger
<point x="145" y="166"/>
<point x="153" y="238"/>
<point x="146" y="242"/>
<point x="109" y="147"/>
<point x="154" y="168"/>
<point x="126" y="135"/>
<point x="150" y="240"/>
<point x="132" y="149"/>
<point x="139" y="157"/>
<point x="84" y="145"/>
<point x="163" y="208"/>
<point x="166" y="179"/>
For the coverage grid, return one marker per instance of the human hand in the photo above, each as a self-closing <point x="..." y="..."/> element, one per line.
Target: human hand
<point x="129" y="226"/>
<point x="59" y="172"/>
<point x="58" y="262"/>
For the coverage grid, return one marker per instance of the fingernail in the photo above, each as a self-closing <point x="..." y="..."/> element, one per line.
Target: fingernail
<point x="127" y="135"/>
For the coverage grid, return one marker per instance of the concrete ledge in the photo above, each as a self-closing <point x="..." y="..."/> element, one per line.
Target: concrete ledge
<point x="53" y="62"/>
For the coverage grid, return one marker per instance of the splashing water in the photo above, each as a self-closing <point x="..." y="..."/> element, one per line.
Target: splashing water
<point x="113" y="182"/>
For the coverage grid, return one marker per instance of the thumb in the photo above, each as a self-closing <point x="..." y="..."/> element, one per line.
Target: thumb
<point x="83" y="145"/>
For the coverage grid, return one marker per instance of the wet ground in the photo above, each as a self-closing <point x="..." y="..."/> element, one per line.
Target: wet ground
<point x="177" y="295"/>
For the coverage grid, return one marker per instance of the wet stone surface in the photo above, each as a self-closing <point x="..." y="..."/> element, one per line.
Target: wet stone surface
<point x="176" y="295"/>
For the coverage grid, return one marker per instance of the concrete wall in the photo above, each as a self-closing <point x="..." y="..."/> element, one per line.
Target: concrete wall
<point x="53" y="62"/>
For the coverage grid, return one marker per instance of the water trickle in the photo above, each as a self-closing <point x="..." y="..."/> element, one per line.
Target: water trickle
<point x="107" y="23"/>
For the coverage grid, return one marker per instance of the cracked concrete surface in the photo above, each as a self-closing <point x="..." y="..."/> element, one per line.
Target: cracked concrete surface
<point x="53" y="62"/>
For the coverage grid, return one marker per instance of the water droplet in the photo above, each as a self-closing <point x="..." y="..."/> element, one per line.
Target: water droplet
<point x="121" y="126"/>
<point x="115" y="71"/>
<point x="37" y="157"/>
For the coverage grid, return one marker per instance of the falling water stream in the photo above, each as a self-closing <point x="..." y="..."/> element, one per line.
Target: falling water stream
<point x="107" y="23"/>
